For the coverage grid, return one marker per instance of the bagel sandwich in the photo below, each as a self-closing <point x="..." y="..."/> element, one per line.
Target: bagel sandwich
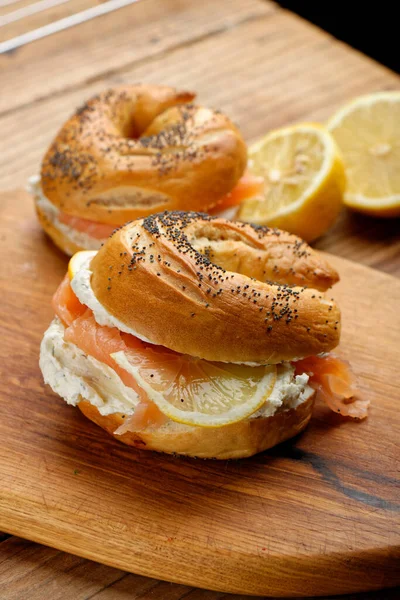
<point x="195" y="335"/>
<point x="132" y="151"/>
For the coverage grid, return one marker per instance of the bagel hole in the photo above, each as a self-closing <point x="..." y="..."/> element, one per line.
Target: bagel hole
<point x="130" y="129"/>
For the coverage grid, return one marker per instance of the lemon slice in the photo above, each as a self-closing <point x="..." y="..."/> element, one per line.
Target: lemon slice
<point x="368" y="133"/>
<point x="304" y="181"/>
<point x="78" y="260"/>
<point x="198" y="392"/>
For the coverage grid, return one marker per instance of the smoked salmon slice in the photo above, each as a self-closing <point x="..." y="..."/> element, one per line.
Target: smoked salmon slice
<point x="248" y="186"/>
<point x="100" y="342"/>
<point x="99" y="231"/>
<point x="335" y="383"/>
<point x="65" y="304"/>
<point x="146" y="414"/>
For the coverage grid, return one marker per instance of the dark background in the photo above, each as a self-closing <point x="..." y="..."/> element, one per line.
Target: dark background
<point x="373" y="28"/>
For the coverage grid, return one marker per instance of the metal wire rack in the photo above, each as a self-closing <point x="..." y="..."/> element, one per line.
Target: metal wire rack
<point x="10" y="15"/>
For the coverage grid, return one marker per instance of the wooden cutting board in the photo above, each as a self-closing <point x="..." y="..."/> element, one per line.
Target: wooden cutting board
<point x="317" y="515"/>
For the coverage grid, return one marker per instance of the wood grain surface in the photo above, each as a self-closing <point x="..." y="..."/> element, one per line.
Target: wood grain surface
<point x="132" y="35"/>
<point x="315" y="516"/>
<point x="63" y="576"/>
<point x="262" y="65"/>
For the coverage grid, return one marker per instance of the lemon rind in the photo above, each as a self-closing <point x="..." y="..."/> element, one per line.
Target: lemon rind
<point x="366" y="100"/>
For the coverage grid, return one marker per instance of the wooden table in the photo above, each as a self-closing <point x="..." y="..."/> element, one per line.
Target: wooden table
<point x="265" y="67"/>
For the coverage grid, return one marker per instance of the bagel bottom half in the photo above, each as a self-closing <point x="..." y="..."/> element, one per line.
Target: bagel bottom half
<point x="238" y="440"/>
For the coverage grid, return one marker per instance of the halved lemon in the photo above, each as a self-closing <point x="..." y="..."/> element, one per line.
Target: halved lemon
<point x="367" y="132"/>
<point x="304" y="181"/>
<point x="78" y="260"/>
<point x="195" y="391"/>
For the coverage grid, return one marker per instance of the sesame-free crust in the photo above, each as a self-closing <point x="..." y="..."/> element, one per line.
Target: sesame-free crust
<point x="217" y="289"/>
<point x="238" y="440"/>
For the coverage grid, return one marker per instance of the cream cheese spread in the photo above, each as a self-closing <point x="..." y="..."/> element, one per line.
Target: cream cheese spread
<point x="80" y="238"/>
<point x="82" y="288"/>
<point x="74" y="376"/>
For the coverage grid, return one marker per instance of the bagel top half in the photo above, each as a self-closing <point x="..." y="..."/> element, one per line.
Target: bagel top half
<point x="217" y="289"/>
<point x="135" y="150"/>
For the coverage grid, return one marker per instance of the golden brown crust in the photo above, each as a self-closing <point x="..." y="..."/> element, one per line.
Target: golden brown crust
<point x="160" y="277"/>
<point x="135" y="150"/>
<point x="59" y="239"/>
<point x="237" y="440"/>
